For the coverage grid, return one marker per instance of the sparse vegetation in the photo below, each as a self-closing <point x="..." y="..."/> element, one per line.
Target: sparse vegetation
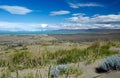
<point x="20" y="59"/>
<point x="90" y="54"/>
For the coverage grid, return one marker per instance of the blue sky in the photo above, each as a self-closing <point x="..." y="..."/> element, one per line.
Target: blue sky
<point x="37" y="15"/>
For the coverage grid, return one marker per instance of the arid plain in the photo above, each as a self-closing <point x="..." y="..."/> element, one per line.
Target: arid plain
<point x="36" y="56"/>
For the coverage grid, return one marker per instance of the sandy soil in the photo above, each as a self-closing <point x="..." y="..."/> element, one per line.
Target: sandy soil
<point x="111" y="75"/>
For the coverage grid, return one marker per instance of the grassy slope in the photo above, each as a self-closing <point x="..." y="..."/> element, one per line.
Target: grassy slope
<point x="44" y="55"/>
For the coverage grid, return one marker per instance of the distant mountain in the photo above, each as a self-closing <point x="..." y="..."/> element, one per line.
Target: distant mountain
<point x="64" y="31"/>
<point x="89" y="30"/>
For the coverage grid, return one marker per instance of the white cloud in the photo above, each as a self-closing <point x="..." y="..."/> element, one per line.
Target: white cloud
<point x="13" y="26"/>
<point x="73" y="5"/>
<point x="96" y="18"/>
<point x="72" y="26"/>
<point x="77" y="5"/>
<point x="61" y="12"/>
<point x="79" y="18"/>
<point x="97" y="21"/>
<point x="16" y="9"/>
<point x="77" y="21"/>
<point x="106" y="18"/>
<point x="78" y="14"/>
<point x="44" y="25"/>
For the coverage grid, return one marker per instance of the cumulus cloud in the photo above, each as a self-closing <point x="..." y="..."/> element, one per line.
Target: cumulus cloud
<point x="77" y="5"/>
<point x="96" y="18"/>
<point x="16" y="9"/>
<point x="97" y="21"/>
<point x="61" y="12"/>
<point x="106" y="18"/>
<point x="79" y="18"/>
<point x="44" y="25"/>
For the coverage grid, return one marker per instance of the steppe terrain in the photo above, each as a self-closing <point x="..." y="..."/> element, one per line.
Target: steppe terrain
<point x="34" y="56"/>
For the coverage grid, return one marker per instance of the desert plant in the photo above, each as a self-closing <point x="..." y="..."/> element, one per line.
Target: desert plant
<point x="65" y="69"/>
<point x="109" y="64"/>
<point x="55" y="71"/>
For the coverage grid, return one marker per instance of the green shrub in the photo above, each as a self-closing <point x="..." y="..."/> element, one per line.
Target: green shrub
<point x="65" y="69"/>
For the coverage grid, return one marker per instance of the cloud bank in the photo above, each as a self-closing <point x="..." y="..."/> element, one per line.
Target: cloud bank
<point x="14" y="26"/>
<point x="111" y="21"/>
<point x="76" y="21"/>
<point x="82" y="18"/>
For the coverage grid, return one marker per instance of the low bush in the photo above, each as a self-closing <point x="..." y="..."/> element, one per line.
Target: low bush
<point x="109" y="64"/>
<point x="55" y="71"/>
<point x="65" y="69"/>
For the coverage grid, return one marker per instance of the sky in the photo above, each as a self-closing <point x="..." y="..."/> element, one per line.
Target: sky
<point x="39" y="15"/>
